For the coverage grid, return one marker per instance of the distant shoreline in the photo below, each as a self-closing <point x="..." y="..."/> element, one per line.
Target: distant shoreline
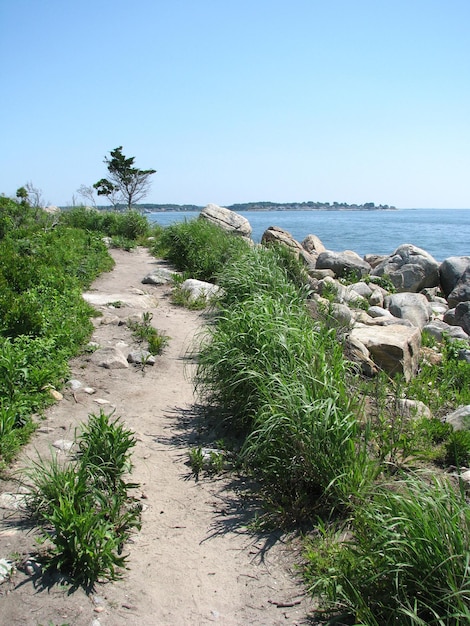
<point x="267" y="206"/>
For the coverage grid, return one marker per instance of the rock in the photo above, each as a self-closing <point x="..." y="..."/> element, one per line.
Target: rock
<point x="410" y="306"/>
<point x="6" y="570"/>
<point x="343" y="263"/>
<point x="378" y="311"/>
<point x="142" y="357"/>
<point x="461" y="291"/>
<point x="356" y="352"/>
<point x="360" y="289"/>
<point x="438" y="329"/>
<point x="159" y="276"/>
<point x="200" y="289"/>
<point x="64" y="445"/>
<point x="462" y="316"/>
<point x="409" y="269"/>
<point x="413" y="408"/>
<point x="320" y="274"/>
<point x="277" y="235"/>
<point x="460" y="418"/>
<point x="394" y="348"/>
<point x="464" y="355"/>
<point x="374" y="259"/>
<point x="313" y="245"/>
<point x="450" y="271"/>
<point x="109" y="320"/>
<point x="226" y="219"/>
<point x="109" y="358"/>
<point x="377" y="296"/>
<point x="12" y="501"/>
<point x="74" y="384"/>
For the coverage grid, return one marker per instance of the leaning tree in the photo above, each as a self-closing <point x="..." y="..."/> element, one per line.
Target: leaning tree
<point x="125" y="184"/>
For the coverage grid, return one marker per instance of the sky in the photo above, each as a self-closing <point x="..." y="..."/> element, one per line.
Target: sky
<point x="240" y="100"/>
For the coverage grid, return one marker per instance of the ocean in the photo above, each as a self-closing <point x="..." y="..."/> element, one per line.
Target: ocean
<point x="441" y="232"/>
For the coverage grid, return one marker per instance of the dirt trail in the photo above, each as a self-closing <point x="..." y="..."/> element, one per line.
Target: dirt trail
<point x="194" y="562"/>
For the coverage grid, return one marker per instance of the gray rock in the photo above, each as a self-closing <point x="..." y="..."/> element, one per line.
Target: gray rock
<point x="226" y="219"/>
<point x="410" y="306"/>
<point x="109" y="358"/>
<point x="361" y="289"/>
<point x="378" y="311"/>
<point x="410" y="269"/>
<point x="461" y="291"/>
<point x="450" y="271"/>
<point x="438" y="329"/>
<point x="343" y="263"/>
<point x="462" y="316"/>
<point x="374" y="259"/>
<point x="141" y="357"/>
<point x="413" y="408"/>
<point x="464" y="355"/>
<point x="460" y="418"/>
<point x="313" y="245"/>
<point x="159" y="276"/>
<point x="394" y="348"/>
<point x="200" y="289"/>
<point x="64" y="445"/>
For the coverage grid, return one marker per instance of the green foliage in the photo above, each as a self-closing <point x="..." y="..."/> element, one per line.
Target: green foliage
<point x="200" y="248"/>
<point x="280" y="381"/>
<point x="128" y="226"/>
<point x="44" y="320"/>
<point x="82" y="507"/>
<point x="145" y="332"/>
<point x="126" y="183"/>
<point x="406" y="561"/>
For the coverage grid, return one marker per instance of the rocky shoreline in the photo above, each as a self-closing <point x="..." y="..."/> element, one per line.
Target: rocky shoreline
<point x="388" y="302"/>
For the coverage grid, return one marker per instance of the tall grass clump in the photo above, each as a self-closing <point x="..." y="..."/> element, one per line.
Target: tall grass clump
<point x="199" y="248"/>
<point x="127" y="225"/>
<point x="82" y="508"/>
<point x="406" y="561"/>
<point x="281" y="382"/>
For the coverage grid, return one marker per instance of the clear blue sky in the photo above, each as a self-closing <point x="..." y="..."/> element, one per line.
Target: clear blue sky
<point x="240" y="100"/>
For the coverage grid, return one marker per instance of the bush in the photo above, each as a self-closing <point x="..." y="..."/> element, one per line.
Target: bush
<point x="83" y="507"/>
<point x="199" y="248"/>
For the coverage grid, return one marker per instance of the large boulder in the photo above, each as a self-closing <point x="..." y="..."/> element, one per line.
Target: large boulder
<point x="439" y="330"/>
<point x="394" y="348"/>
<point x="343" y="263"/>
<point x="462" y="316"/>
<point x="409" y="268"/>
<point x="461" y="291"/>
<point x="277" y="235"/>
<point x="227" y="219"/>
<point x="450" y="271"/>
<point x="409" y="306"/>
<point x="313" y="245"/>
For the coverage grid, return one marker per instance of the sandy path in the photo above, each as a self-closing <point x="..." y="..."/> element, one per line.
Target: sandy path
<point x="194" y="562"/>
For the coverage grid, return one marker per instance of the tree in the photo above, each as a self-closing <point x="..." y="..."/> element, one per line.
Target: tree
<point x="88" y="193"/>
<point x="126" y="184"/>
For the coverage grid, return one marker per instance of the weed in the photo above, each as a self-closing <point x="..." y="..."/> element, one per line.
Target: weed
<point x="83" y="508"/>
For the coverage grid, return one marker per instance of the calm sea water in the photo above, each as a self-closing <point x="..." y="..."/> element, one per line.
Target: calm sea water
<point x="441" y="232"/>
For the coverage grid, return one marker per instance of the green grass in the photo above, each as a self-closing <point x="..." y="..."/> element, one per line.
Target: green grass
<point x="406" y="561"/>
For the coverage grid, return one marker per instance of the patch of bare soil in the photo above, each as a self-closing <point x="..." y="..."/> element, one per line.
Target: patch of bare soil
<point x="194" y="562"/>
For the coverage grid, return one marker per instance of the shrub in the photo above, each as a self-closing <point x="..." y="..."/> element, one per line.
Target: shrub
<point x="83" y="508"/>
<point x="199" y="247"/>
